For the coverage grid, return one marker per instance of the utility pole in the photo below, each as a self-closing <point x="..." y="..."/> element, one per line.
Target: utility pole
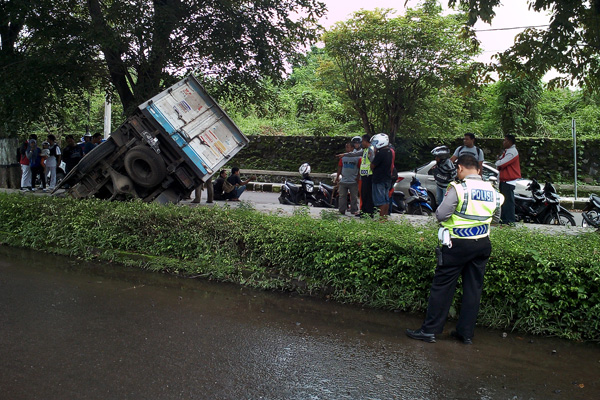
<point x="107" y="116"/>
<point x="573" y="127"/>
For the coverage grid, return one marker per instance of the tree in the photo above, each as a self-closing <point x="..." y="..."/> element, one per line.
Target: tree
<point x="41" y="73"/>
<point x="517" y="103"/>
<point x="571" y="44"/>
<point x="145" y="44"/>
<point x="386" y="65"/>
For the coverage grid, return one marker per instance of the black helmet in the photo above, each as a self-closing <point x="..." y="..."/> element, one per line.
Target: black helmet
<point x="441" y="151"/>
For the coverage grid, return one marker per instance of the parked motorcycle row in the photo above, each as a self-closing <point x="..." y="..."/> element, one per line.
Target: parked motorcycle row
<point x="542" y="206"/>
<point x="323" y="195"/>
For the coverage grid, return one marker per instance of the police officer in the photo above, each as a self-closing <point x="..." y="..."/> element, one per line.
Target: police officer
<point x="466" y="213"/>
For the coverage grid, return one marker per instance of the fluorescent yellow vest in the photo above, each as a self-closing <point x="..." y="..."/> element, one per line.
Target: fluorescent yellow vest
<point x="365" y="164"/>
<point x="477" y="202"/>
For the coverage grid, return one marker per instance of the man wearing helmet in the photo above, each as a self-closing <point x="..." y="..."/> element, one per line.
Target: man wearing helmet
<point x="443" y="171"/>
<point x="87" y="143"/>
<point x="382" y="162"/>
<point x="357" y="142"/>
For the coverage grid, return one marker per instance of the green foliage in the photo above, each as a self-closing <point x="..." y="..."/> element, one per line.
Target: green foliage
<point x="570" y="44"/>
<point x="517" y="105"/>
<point x="388" y="64"/>
<point x="548" y="285"/>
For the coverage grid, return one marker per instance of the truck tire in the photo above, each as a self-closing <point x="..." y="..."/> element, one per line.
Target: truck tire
<point x="144" y="166"/>
<point x="95" y="156"/>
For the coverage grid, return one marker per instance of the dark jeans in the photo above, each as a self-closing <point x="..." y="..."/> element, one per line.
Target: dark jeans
<point x="466" y="258"/>
<point x="507" y="213"/>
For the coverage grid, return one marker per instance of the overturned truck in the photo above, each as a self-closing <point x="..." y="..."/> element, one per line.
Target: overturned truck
<point x="172" y="144"/>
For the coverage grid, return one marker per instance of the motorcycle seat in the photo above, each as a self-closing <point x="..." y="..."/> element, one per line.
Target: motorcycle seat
<point x="596" y="200"/>
<point x="525" y="199"/>
<point x="292" y="186"/>
<point x="328" y="187"/>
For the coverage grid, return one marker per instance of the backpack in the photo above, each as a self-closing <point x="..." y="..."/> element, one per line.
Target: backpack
<point x="479" y="152"/>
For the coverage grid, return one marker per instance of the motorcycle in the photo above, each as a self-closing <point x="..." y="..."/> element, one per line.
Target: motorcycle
<point x="418" y="202"/>
<point x="591" y="212"/>
<point x="326" y="196"/>
<point x="398" y="204"/>
<point x="306" y="193"/>
<point x="543" y="207"/>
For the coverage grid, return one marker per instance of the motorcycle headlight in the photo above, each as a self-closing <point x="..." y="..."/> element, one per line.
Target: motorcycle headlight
<point x="310" y="188"/>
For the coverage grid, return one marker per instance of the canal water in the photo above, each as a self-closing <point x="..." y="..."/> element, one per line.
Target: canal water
<point x="71" y="329"/>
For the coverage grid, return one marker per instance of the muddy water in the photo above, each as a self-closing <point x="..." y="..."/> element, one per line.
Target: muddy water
<point x="78" y="330"/>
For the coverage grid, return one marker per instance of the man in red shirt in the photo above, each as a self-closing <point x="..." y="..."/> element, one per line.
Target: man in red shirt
<point x="510" y="170"/>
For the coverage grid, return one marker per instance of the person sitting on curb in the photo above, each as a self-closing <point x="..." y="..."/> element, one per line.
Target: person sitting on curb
<point x="218" y="193"/>
<point x="239" y="186"/>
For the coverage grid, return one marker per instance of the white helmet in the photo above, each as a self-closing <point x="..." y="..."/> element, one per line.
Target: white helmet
<point x="441" y="151"/>
<point x="357" y="139"/>
<point x="380" y="140"/>
<point x="304" y="168"/>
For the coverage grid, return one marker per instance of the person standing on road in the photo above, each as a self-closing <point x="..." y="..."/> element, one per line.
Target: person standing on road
<point x="209" y="191"/>
<point x="382" y="162"/>
<point x="443" y="171"/>
<point x="348" y="169"/>
<point x="510" y="170"/>
<point x="87" y="143"/>
<point x="96" y="139"/>
<point x="34" y="154"/>
<point x="466" y="214"/>
<point x="469" y="148"/>
<point x="365" y="183"/>
<point x="53" y="160"/>
<point x="24" y="162"/>
<point x="356" y="145"/>
<point x="72" y="153"/>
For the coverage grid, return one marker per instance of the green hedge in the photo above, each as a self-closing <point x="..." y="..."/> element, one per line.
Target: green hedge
<point x="548" y="285"/>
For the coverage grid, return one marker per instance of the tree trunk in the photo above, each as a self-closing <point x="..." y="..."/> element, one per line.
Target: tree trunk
<point x="10" y="170"/>
<point x="112" y="48"/>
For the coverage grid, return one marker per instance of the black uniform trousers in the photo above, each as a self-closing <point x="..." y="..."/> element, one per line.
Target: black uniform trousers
<point x="366" y="195"/>
<point x="466" y="258"/>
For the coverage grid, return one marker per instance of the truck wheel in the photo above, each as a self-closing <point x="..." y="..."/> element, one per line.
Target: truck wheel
<point x="95" y="156"/>
<point x="144" y="166"/>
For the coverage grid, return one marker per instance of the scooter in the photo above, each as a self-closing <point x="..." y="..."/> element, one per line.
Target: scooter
<point x="303" y="194"/>
<point x="398" y="203"/>
<point x="591" y="212"/>
<point x="543" y="207"/>
<point x="326" y="196"/>
<point x="418" y="202"/>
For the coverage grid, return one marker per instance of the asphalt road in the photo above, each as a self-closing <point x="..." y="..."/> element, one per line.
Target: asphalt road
<point x="268" y="202"/>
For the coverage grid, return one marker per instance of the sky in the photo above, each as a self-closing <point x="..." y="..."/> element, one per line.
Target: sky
<point x="513" y="13"/>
